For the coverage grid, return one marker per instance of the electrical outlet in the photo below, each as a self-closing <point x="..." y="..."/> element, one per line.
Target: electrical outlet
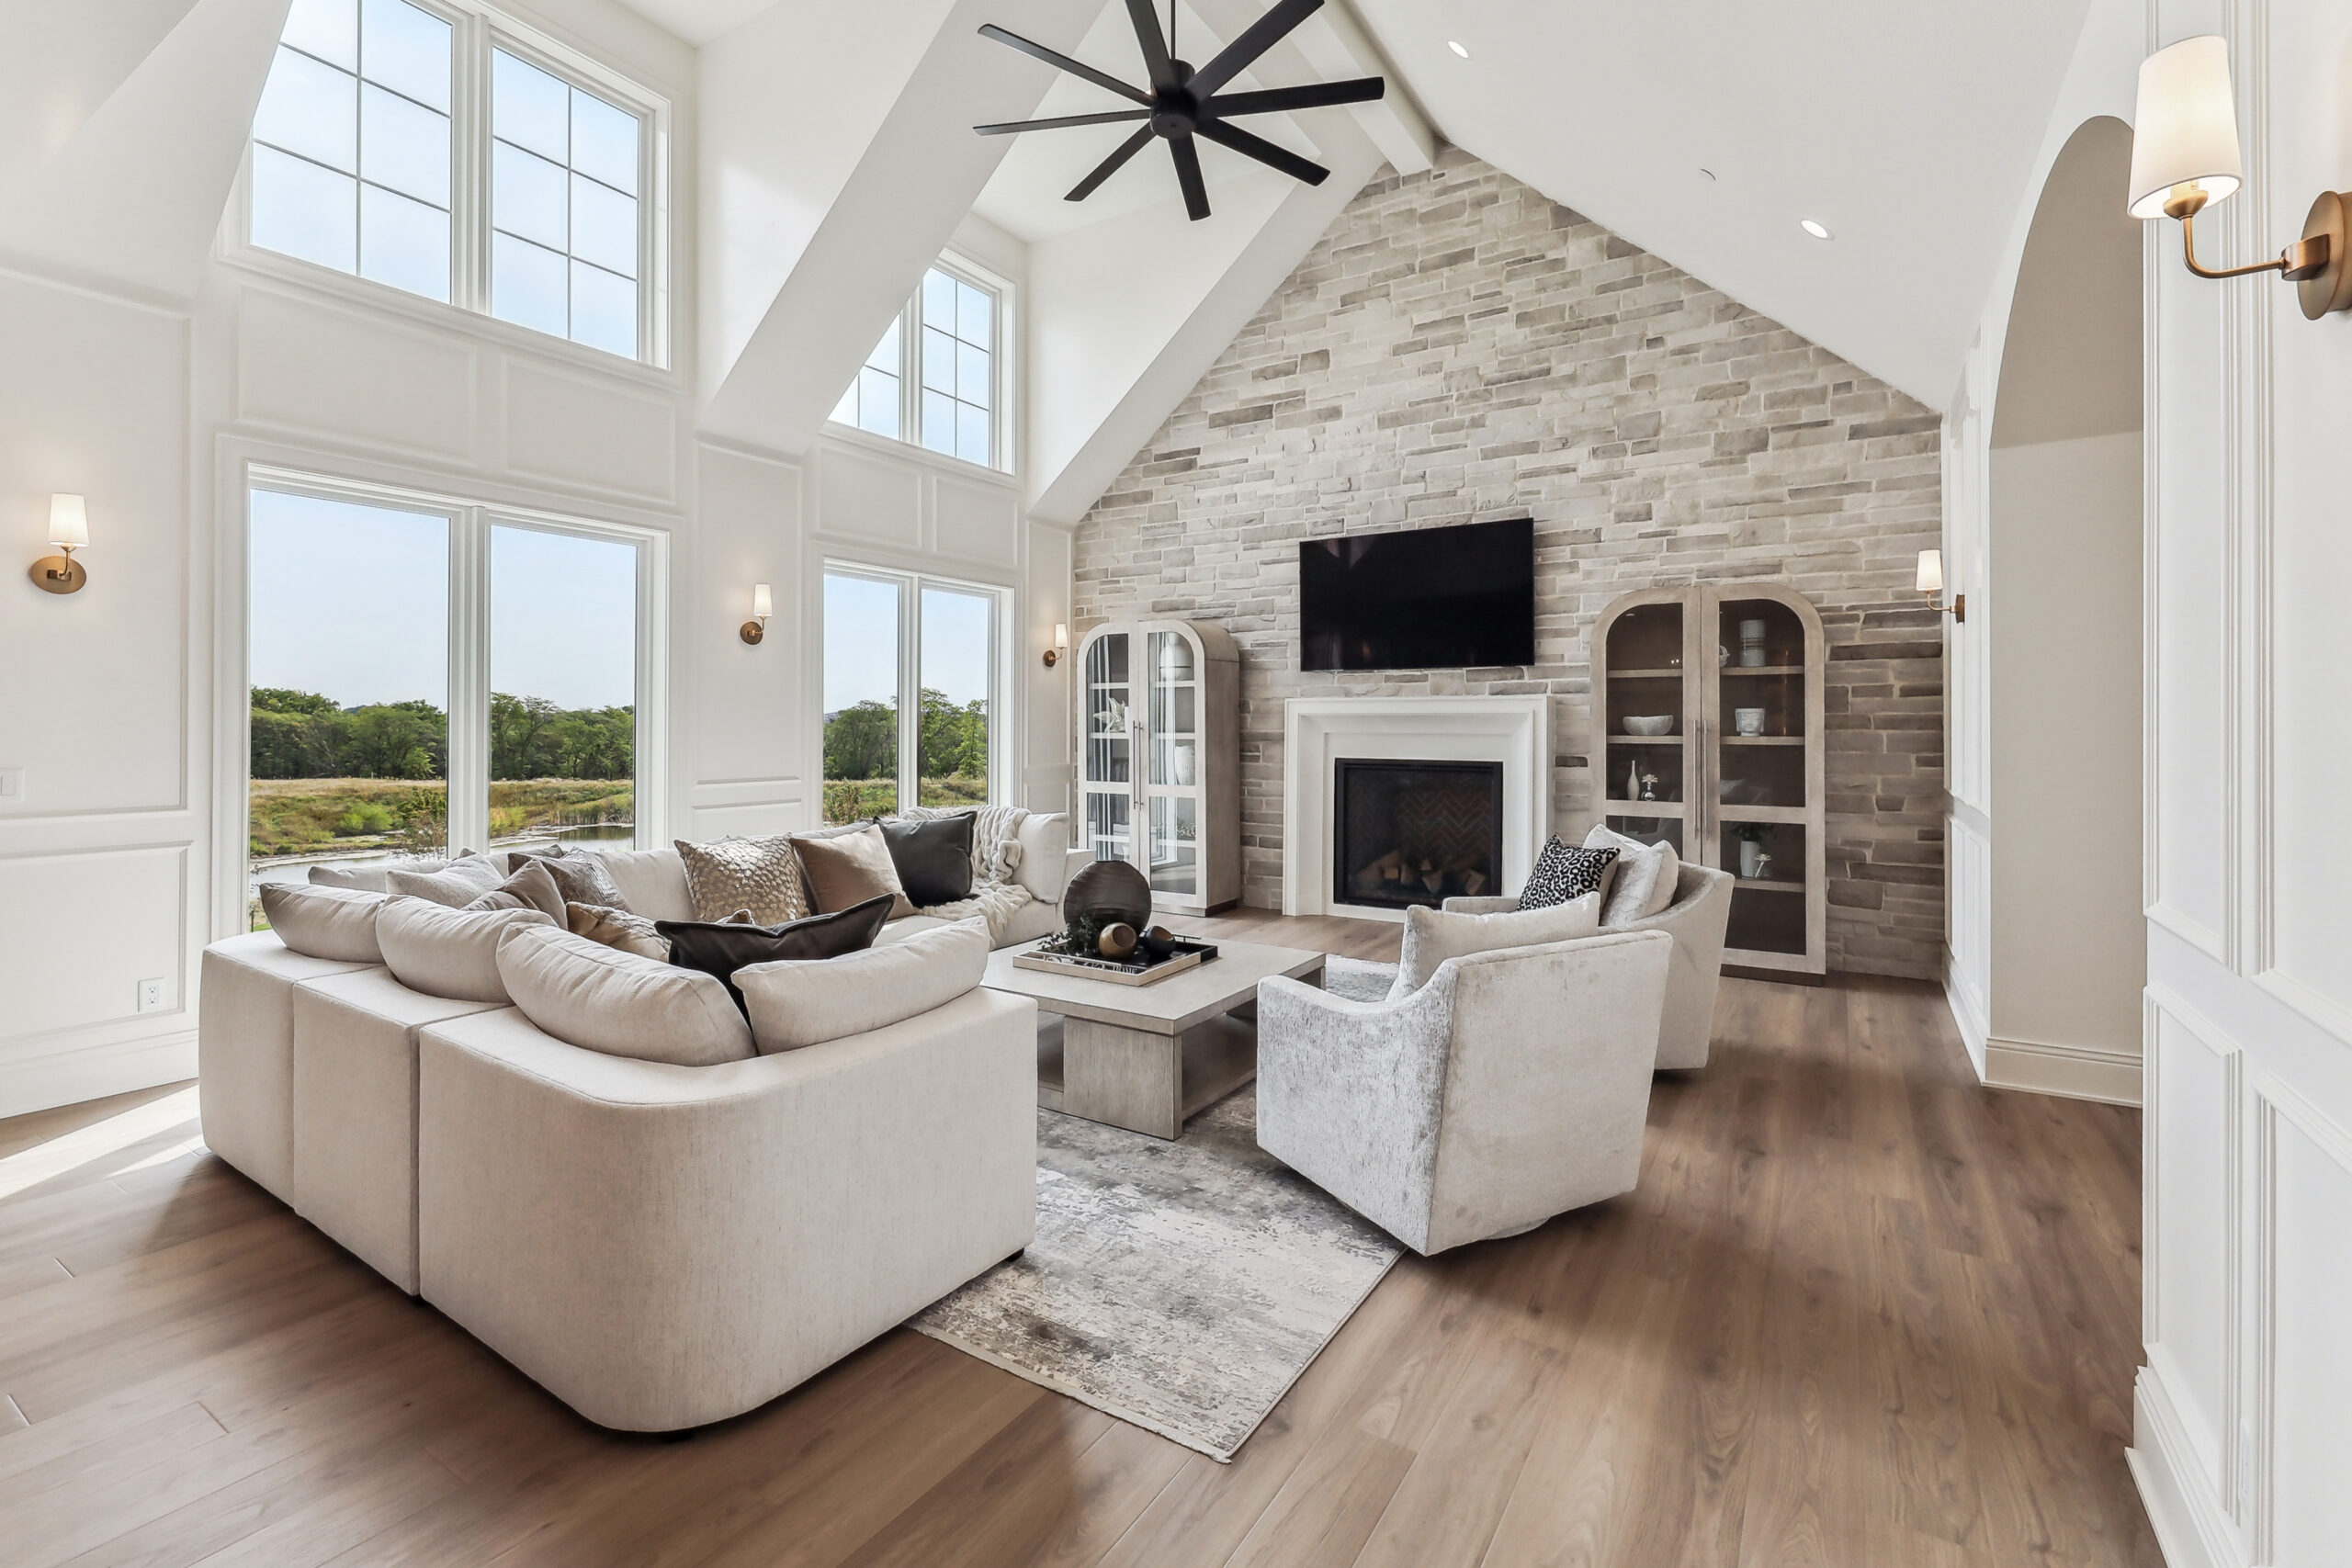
<point x="151" y="994"/>
<point x="12" y="786"/>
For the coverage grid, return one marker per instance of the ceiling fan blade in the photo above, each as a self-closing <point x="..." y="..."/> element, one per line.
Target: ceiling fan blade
<point x="1255" y="38"/>
<point x="1188" y="174"/>
<point x="1162" y="69"/>
<point x="1109" y="117"/>
<point x="1265" y="152"/>
<point x="1315" y="95"/>
<point x="1109" y="166"/>
<point x="1064" y="63"/>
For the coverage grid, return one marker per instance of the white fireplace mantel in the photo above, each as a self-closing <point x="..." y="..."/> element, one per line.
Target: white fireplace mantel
<point x="1319" y="732"/>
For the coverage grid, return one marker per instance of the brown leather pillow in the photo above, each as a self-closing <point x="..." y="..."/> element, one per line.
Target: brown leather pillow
<point x="721" y="948"/>
<point x="843" y="869"/>
<point x="531" y="887"/>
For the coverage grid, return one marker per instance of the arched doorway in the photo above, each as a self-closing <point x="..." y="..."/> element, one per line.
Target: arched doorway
<point x="2068" y="939"/>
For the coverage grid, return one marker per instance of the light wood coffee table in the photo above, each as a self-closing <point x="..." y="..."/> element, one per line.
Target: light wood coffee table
<point x="1144" y="1057"/>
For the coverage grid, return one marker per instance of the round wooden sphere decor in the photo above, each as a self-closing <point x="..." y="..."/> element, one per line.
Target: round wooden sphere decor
<point x="1113" y="892"/>
<point x="1117" y="941"/>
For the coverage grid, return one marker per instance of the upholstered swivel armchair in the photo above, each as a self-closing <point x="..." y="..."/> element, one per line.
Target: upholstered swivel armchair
<point x="1696" y="921"/>
<point x="1510" y="1088"/>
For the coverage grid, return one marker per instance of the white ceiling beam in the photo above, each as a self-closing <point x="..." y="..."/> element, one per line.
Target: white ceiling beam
<point x="1337" y="47"/>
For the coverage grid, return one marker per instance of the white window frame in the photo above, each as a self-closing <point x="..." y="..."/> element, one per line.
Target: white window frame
<point x="470" y="644"/>
<point x="1003" y="445"/>
<point x="910" y="586"/>
<point x="476" y="29"/>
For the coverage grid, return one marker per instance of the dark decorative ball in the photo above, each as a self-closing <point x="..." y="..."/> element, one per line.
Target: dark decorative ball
<point x="1110" y="891"/>
<point x="1117" y="941"/>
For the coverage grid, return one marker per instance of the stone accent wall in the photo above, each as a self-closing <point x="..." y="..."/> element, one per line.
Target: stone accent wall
<point x="1459" y="348"/>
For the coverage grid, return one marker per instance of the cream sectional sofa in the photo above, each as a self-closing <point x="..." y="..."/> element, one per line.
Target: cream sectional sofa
<point x="659" y="1246"/>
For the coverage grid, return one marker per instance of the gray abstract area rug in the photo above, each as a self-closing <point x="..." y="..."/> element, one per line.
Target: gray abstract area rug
<point x="1183" y="1287"/>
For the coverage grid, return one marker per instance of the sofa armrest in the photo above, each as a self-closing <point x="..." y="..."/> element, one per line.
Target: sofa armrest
<point x="662" y="1246"/>
<point x="1466" y="906"/>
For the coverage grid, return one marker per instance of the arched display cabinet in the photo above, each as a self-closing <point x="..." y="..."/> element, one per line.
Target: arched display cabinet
<point x="1167" y="692"/>
<point x="1693" y="662"/>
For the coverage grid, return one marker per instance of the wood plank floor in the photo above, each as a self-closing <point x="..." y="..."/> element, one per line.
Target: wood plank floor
<point x="1859" y="1312"/>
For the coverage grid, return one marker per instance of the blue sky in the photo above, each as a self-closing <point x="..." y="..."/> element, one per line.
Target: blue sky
<point x="861" y="642"/>
<point x="352" y="602"/>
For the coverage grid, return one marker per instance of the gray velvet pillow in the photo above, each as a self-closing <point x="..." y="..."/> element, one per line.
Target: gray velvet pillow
<point x="531" y="887"/>
<point x="581" y="877"/>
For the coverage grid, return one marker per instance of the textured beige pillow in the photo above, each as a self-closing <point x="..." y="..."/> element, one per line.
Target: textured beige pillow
<point x="370" y="877"/>
<point x="599" y="999"/>
<point x="448" y="952"/>
<point x="325" y="922"/>
<point x="1644" y="881"/>
<point x="1432" y="936"/>
<point x="796" y="1002"/>
<point x="531" y="887"/>
<point x="616" y="929"/>
<point x="842" y="869"/>
<point x="759" y="875"/>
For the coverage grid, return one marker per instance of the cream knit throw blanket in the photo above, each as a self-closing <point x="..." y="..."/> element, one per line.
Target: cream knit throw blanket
<point x="995" y="857"/>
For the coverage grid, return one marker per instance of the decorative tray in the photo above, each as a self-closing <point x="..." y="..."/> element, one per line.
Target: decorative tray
<point x="1137" y="971"/>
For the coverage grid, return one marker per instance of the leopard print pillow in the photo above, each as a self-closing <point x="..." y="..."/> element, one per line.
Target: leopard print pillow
<point x="759" y="875"/>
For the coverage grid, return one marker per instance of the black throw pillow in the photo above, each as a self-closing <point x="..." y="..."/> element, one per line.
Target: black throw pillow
<point x="1564" y="872"/>
<point x="721" y="950"/>
<point x="934" y="858"/>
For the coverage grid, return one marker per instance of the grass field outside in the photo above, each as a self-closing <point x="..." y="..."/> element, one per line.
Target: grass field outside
<point x="854" y="800"/>
<point x="292" y="818"/>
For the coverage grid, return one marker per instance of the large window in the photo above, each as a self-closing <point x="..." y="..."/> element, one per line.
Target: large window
<point x="911" y="680"/>
<point x="423" y="676"/>
<point x="430" y="147"/>
<point x="937" y="377"/>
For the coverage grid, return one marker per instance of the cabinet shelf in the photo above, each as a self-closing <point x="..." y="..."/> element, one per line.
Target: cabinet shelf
<point x="1645" y="674"/>
<point x="1645" y="739"/>
<point x="1766" y="884"/>
<point x="1642" y="809"/>
<point x="1763" y="740"/>
<point x="1760" y="669"/>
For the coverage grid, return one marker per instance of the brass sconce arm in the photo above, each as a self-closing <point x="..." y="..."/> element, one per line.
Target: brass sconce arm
<point x="2316" y="264"/>
<point x="2304" y="258"/>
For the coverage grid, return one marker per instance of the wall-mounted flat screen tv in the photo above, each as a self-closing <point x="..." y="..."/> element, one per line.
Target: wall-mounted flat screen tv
<point x="1424" y="599"/>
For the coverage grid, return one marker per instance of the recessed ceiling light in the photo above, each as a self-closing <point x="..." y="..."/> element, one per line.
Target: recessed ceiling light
<point x="1816" y="230"/>
<point x="1457" y="49"/>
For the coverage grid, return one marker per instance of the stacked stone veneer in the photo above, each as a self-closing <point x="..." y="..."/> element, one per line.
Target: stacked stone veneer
<point x="1460" y="348"/>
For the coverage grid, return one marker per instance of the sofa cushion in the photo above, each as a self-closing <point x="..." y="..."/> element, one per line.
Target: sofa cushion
<point x="371" y="876"/>
<point x="455" y="884"/>
<point x="899" y="930"/>
<point x="1645" y="876"/>
<point x="244" y="1051"/>
<point x="720" y="949"/>
<point x="1432" y="936"/>
<point x="1045" y="855"/>
<point x="652" y="882"/>
<point x="795" y="1002"/>
<point x="1563" y="874"/>
<point x="616" y="929"/>
<point x="847" y="868"/>
<point x="531" y="887"/>
<point x="759" y="875"/>
<point x="581" y="877"/>
<point x="325" y="922"/>
<point x="448" y="952"/>
<point x="934" y="858"/>
<point x="602" y="1000"/>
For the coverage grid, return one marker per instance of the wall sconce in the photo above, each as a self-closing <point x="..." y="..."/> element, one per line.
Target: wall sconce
<point x="763" y="607"/>
<point x="2185" y="157"/>
<point x="1054" y="655"/>
<point x="69" y="530"/>
<point x="1931" y="583"/>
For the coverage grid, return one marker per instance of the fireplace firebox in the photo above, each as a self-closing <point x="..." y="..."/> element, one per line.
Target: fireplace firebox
<point x="1410" y="832"/>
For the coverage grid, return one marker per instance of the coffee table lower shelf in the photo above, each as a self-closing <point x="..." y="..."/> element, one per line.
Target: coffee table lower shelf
<point x="1145" y="1083"/>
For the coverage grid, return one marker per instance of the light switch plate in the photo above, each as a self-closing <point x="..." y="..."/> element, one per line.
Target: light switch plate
<point x="151" y="994"/>
<point x="12" y="786"/>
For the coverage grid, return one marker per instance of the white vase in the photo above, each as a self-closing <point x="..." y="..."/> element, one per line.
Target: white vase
<point x="1182" y="761"/>
<point x="1176" y="659"/>
<point x="1751" y="858"/>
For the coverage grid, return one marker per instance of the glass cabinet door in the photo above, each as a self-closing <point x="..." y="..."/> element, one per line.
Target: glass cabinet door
<point x="1758" y="771"/>
<point x="1647" y="742"/>
<point x="1173" y="785"/>
<point x="1110" y="721"/>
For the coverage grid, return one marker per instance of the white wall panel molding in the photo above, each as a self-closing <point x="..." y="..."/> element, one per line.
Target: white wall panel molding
<point x="308" y="367"/>
<point x="582" y="435"/>
<point x="720" y="795"/>
<point x="2302" y="1368"/>
<point x="2195" y="1258"/>
<point x="2191" y="1528"/>
<point x="1968" y="982"/>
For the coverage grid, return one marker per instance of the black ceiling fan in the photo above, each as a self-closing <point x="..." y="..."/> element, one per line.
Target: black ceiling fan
<point x="1182" y="103"/>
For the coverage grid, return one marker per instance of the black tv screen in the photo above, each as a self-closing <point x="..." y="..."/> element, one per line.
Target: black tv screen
<point x="1427" y="599"/>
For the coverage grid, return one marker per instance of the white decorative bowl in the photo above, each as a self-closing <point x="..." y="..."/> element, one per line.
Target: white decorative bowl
<point x="1654" y="724"/>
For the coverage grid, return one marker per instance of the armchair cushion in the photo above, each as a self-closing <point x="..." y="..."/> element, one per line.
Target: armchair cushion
<point x="1644" y="881"/>
<point x="1432" y="936"/>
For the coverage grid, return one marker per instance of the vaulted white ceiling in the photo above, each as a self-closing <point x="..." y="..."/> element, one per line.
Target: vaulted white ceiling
<point x="1908" y="130"/>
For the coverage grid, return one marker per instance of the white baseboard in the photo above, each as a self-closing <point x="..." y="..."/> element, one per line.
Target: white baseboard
<point x="1966" y="1016"/>
<point x="2078" y="1072"/>
<point x="2193" y="1530"/>
<point x="94" y="1072"/>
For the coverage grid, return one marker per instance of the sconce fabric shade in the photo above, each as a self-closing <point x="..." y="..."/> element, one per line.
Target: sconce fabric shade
<point x="69" y="522"/>
<point x="1061" y="634"/>
<point x="763" y="602"/>
<point x="2185" y="130"/>
<point x="1931" y="571"/>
